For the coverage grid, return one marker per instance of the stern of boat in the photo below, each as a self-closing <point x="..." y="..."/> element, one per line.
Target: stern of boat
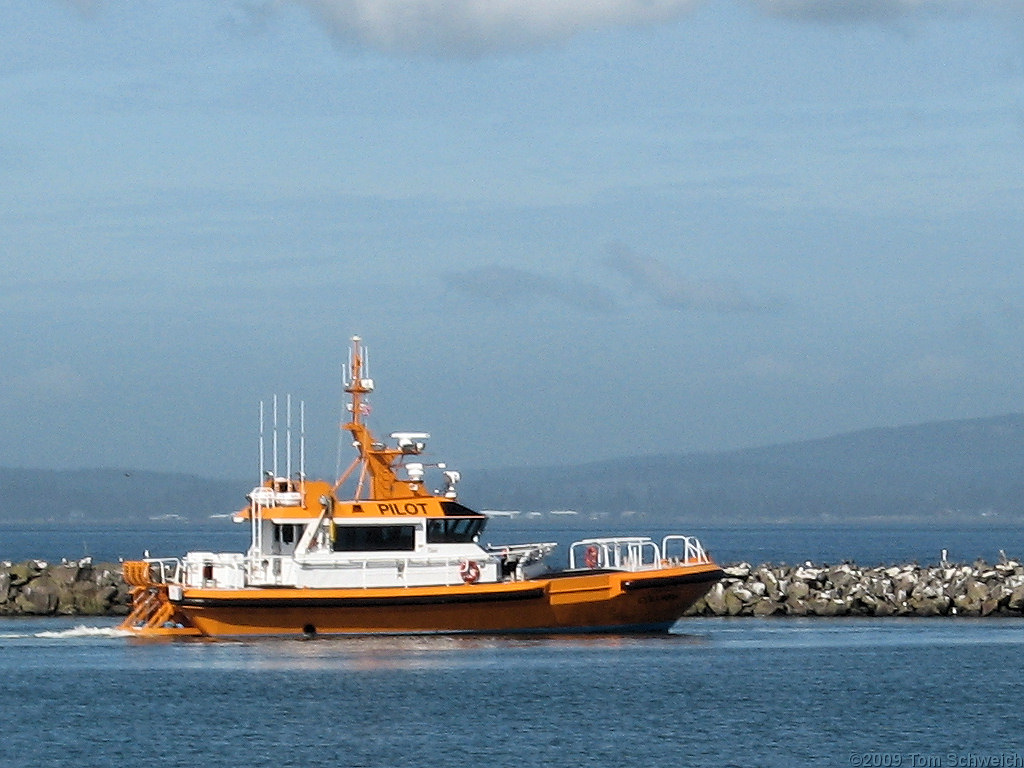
<point x="153" y="614"/>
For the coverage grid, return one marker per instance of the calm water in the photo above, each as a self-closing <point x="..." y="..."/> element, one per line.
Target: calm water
<point x="744" y="692"/>
<point x="717" y="692"/>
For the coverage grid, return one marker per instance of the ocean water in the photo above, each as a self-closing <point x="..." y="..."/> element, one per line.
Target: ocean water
<point x="867" y="545"/>
<point x="713" y="692"/>
<point x="716" y="692"/>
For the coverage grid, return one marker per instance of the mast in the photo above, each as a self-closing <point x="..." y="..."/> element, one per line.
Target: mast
<point x="379" y="462"/>
<point x="358" y="386"/>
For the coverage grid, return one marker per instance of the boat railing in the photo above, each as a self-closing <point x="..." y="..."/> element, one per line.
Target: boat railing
<point x="683" y="550"/>
<point x="272" y="569"/>
<point x="164" y="570"/>
<point x="636" y="553"/>
<point x="525" y="553"/>
<point x="268" y="497"/>
<point x="625" y="553"/>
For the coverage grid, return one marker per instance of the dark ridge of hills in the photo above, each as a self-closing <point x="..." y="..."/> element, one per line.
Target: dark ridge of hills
<point x="953" y="470"/>
<point x="113" y="496"/>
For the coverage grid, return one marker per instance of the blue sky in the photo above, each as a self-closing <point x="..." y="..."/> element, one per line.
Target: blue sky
<point x="566" y="230"/>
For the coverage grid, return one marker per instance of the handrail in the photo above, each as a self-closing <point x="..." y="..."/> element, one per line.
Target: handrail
<point x="516" y="548"/>
<point x="485" y="557"/>
<point x="254" y="565"/>
<point x="268" y="498"/>
<point x="618" y="552"/>
<point x="165" y="564"/>
<point x="637" y="552"/>
<point x="693" y="551"/>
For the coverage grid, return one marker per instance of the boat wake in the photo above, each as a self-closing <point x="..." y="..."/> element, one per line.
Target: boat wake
<point x="82" y="631"/>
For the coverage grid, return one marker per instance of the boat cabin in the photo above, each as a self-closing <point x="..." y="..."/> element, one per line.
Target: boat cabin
<point x="303" y="536"/>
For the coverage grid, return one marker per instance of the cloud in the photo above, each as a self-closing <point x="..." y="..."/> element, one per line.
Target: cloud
<point x="510" y="285"/>
<point x="867" y="10"/>
<point x="482" y="27"/>
<point x="669" y="289"/>
<point x="803" y="369"/>
<point x="57" y="382"/>
<point x="474" y="27"/>
<point x="931" y="370"/>
<point x="85" y="7"/>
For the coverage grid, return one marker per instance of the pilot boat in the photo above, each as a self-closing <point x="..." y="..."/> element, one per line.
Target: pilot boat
<point x="393" y="556"/>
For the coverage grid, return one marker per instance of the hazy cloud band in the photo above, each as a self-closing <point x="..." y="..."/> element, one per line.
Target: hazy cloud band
<point x="476" y="27"/>
<point x="482" y="27"/>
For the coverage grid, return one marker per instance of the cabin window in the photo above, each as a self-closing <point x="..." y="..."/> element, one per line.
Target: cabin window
<point x="287" y="534"/>
<point x="454" y="530"/>
<point x="374" y="538"/>
<point x="454" y="509"/>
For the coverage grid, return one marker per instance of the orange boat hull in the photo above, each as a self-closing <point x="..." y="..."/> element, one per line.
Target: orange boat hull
<point x="583" y="601"/>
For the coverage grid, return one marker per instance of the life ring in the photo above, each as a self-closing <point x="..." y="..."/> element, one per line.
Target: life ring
<point x="469" y="571"/>
<point x="590" y="557"/>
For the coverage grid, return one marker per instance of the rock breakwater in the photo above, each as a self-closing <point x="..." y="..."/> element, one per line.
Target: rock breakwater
<point x="976" y="589"/>
<point x="82" y="588"/>
<point x="70" y="588"/>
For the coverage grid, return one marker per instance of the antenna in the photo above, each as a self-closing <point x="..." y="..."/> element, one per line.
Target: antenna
<point x="288" y="437"/>
<point x="302" y="442"/>
<point x="262" y="449"/>
<point x="275" y="435"/>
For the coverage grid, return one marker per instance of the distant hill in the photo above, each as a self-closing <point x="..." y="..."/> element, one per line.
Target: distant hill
<point x="115" y="496"/>
<point x="970" y="469"/>
<point x="953" y="470"/>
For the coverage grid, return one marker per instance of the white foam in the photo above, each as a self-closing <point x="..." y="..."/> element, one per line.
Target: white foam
<point x="83" y="631"/>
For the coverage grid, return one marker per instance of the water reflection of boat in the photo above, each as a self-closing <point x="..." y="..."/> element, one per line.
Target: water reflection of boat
<point x="397" y="557"/>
